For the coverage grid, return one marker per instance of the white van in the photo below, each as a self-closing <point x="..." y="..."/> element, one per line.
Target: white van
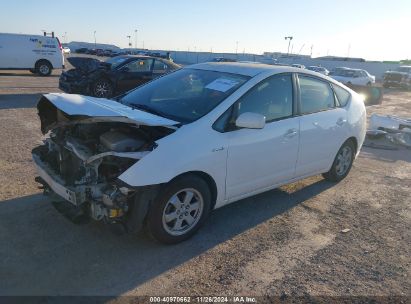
<point x="39" y="54"/>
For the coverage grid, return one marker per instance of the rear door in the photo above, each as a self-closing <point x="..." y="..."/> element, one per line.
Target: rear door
<point x="134" y="73"/>
<point x="323" y="126"/>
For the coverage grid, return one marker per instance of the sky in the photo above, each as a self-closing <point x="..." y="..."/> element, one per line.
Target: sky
<point x="375" y="30"/>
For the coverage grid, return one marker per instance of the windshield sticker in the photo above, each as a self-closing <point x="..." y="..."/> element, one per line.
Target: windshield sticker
<point x="221" y="84"/>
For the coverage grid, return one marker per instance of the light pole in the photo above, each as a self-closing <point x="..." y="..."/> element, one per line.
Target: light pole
<point x="95" y="40"/>
<point x="129" y="41"/>
<point x="289" y="42"/>
<point x="135" y="37"/>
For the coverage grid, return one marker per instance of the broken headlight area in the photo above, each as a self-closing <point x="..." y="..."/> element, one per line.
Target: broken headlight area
<point x="81" y="164"/>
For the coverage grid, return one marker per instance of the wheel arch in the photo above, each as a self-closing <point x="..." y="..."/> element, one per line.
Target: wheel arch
<point x="354" y="140"/>
<point x="208" y="179"/>
<point x="43" y="60"/>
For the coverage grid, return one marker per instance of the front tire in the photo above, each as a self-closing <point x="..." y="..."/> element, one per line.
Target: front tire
<point x="342" y="163"/>
<point x="103" y="89"/>
<point x="179" y="210"/>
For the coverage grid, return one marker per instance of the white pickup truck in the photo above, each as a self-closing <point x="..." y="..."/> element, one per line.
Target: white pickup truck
<point x="39" y="54"/>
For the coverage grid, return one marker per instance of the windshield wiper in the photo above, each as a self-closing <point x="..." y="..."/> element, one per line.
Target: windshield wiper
<point x="147" y="109"/>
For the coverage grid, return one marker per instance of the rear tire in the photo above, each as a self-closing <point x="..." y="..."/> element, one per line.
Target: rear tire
<point x="179" y="210"/>
<point x="342" y="163"/>
<point x="43" y="68"/>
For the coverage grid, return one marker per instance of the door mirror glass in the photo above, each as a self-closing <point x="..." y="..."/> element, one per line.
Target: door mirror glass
<point x="250" y="120"/>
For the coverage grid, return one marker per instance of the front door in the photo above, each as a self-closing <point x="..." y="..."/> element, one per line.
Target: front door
<point x="260" y="158"/>
<point x="134" y="73"/>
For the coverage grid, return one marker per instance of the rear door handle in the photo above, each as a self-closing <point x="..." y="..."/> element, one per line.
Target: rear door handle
<point x="291" y="133"/>
<point x="341" y="121"/>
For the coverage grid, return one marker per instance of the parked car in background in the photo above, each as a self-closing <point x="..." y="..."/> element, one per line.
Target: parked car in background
<point x="66" y="50"/>
<point x="296" y="65"/>
<point x="169" y="152"/>
<point x="318" y="69"/>
<point x="353" y="76"/>
<point x="114" y="76"/>
<point x="222" y="59"/>
<point x="38" y="54"/>
<point x="401" y="77"/>
<point x="82" y="51"/>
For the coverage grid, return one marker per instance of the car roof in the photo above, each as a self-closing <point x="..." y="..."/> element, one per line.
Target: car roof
<point x="246" y="69"/>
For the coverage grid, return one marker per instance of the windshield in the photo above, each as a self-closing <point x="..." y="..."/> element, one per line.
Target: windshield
<point x="184" y="95"/>
<point x="116" y="61"/>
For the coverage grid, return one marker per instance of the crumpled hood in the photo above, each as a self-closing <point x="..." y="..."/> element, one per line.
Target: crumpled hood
<point x="81" y="107"/>
<point x="87" y="65"/>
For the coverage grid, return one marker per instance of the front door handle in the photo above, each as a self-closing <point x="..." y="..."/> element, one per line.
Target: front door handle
<point x="341" y="121"/>
<point x="291" y="133"/>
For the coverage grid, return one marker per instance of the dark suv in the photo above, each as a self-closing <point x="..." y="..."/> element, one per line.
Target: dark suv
<point x="401" y="77"/>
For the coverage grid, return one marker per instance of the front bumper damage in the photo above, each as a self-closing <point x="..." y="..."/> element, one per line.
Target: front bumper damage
<point x="81" y="86"/>
<point x="101" y="202"/>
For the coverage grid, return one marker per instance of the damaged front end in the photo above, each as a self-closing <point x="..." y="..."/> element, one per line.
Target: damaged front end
<point x="82" y="157"/>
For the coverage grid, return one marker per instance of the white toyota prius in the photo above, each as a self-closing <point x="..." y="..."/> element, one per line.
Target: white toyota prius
<point x="167" y="153"/>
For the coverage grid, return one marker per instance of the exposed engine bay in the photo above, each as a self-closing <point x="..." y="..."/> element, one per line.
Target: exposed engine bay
<point x="82" y="157"/>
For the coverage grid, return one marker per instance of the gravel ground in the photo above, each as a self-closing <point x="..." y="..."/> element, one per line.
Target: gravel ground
<point x="287" y="242"/>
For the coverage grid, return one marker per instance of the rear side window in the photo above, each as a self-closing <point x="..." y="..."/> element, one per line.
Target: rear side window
<point x="316" y="95"/>
<point x="343" y="96"/>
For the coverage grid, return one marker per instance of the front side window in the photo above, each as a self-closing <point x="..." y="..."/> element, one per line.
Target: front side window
<point x="272" y="98"/>
<point x="315" y="95"/>
<point x="139" y="65"/>
<point x="159" y="66"/>
<point x="116" y="61"/>
<point x="184" y="95"/>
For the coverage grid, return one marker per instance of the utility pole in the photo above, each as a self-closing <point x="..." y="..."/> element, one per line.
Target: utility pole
<point x="301" y="49"/>
<point x="135" y="37"/>
<point x="289" y="38"/>
<point x="311" y="53"/>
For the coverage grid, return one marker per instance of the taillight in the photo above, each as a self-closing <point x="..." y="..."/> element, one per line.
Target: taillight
<point x="60" y="46"/>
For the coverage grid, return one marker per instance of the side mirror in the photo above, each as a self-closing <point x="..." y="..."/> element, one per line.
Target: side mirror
<point x="250" y="120"/>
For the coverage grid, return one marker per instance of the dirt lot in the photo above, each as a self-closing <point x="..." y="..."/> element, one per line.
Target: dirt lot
<point x="285" y="242"/>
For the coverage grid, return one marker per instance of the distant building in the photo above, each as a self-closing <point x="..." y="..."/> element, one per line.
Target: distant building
<point x="279" y="55"/>
<point x="337" y="58"/>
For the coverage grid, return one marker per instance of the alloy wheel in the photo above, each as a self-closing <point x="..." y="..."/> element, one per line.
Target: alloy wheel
<point x="182" y="211"/>
<point x="102" y="89"/>
<point x="344" y="159"/>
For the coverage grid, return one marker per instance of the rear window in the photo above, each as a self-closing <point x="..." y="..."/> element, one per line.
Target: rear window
<point x="343" y="96"/>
